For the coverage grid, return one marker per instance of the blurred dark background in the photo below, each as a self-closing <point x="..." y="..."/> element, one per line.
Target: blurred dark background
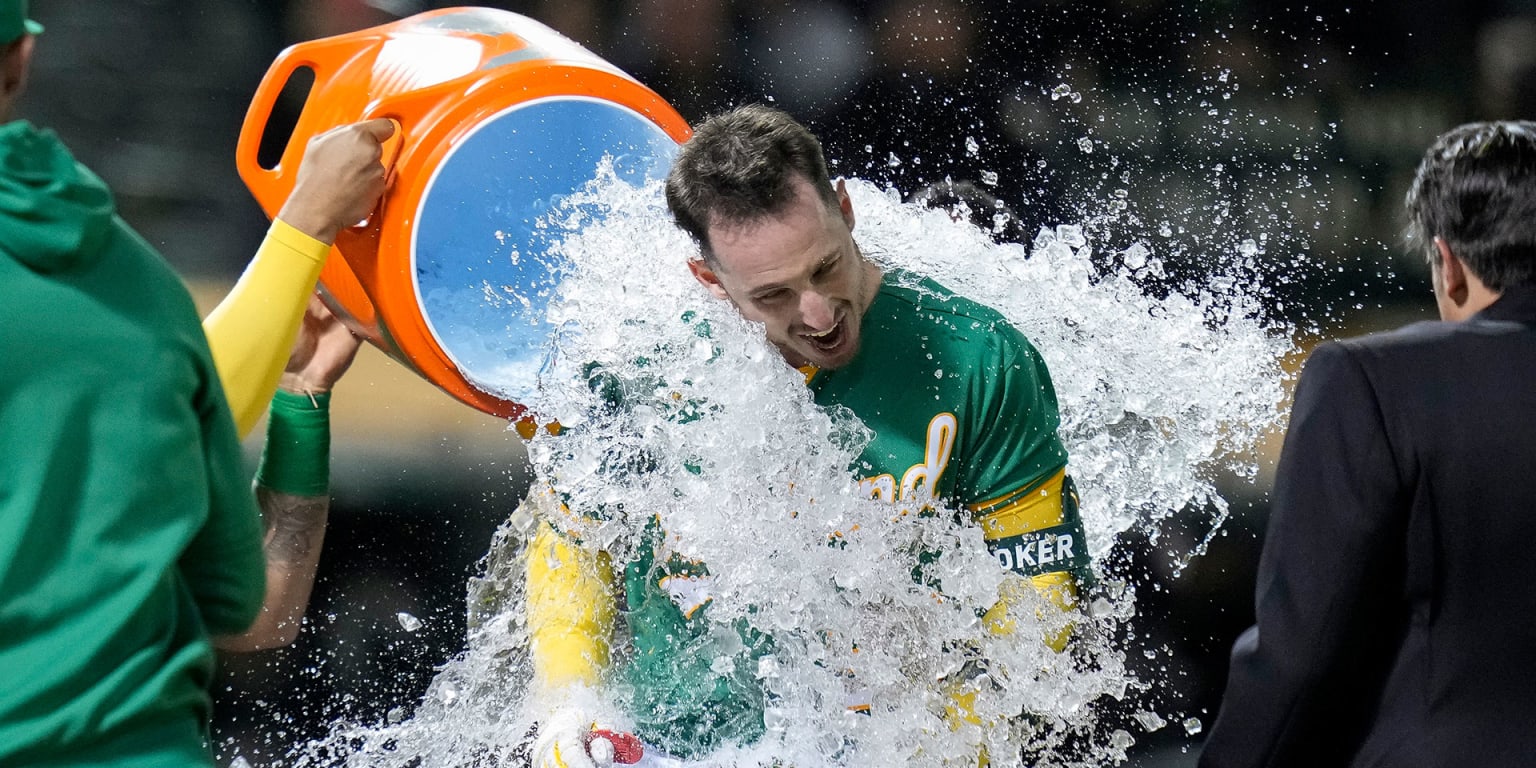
<point x="1220" y="119"/>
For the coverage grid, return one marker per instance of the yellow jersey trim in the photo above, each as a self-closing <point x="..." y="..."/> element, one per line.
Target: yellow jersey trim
<point x="1034" y="509"/>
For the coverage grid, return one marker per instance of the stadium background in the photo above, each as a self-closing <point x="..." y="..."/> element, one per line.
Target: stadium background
<point x="150" y="94"/>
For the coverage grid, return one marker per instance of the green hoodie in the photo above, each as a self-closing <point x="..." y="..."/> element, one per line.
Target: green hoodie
<point x="128" y="532"/>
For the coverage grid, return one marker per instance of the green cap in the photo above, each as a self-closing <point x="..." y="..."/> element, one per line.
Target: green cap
<point x="14" y="21"/>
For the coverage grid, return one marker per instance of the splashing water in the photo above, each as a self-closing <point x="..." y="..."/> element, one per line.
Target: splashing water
<point x="720" y="442"/>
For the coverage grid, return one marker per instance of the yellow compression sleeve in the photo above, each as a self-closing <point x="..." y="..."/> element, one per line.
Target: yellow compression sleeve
<point x="1039" y="509"/>
<point x="961" y="711"/>
<point x="251" y="332"/>
<point x="570" y="611"/>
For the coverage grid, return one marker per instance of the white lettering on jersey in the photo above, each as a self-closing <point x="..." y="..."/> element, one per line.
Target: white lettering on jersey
<point x="921" y="480"/>
<point x="689" y="593"/>
<point x="940" y="445"/>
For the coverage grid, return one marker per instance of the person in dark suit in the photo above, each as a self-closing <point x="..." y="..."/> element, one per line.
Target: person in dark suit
<point x="1395" y="601"/>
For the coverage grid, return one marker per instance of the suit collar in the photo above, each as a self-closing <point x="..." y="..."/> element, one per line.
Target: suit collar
<point x="1516" y="304"/>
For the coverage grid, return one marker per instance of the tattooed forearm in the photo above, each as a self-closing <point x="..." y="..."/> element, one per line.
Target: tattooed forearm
<point x="295" y="529"/>
<point x="294" y="524"/>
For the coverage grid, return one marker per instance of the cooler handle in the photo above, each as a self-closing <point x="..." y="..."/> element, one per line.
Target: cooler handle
<point x="324" y="58"/>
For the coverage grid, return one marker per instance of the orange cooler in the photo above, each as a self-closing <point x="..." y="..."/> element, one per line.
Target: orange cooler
<point x="499" y="118"/>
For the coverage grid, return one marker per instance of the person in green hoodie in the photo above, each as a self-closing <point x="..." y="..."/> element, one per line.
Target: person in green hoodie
<point x="130" y="540"/>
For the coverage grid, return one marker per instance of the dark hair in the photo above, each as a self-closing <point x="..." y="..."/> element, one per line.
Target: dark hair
<point x="1476" y="188"/>
<point x="978" y="206"/>
<point x="741" y="166"/>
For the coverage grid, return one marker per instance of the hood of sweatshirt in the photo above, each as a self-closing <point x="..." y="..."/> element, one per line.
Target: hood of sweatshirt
<point x="54" y="213"/>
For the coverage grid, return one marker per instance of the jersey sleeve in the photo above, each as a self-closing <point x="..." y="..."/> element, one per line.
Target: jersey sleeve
<point x="1011" y="445"/>
<point x="1015" y="484"/>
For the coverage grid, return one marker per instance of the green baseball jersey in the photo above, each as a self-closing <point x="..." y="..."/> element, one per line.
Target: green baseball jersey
<point x="960" y="403"/>
<point x="962" y="410"/>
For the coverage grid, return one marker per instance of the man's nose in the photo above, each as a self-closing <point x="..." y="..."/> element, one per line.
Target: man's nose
<point x="816" y="311"/>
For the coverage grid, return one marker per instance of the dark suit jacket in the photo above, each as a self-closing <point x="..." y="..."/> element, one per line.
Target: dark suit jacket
<point x="1396" y="597"/>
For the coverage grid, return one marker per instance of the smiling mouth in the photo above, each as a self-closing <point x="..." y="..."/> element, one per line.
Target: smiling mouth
<point x="826" y="340"/>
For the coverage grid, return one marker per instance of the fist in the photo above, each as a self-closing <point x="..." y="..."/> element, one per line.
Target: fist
<point x="340" y="179"/>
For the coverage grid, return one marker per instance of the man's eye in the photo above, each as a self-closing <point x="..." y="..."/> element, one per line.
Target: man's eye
<point x="772" y="297"/>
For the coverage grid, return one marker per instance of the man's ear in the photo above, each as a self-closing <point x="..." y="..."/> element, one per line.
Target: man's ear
<point x="845" y="204"/>
<point x="14" y="69"/>
<point x="706" y="276"/>
<point x="1453" y="274"/>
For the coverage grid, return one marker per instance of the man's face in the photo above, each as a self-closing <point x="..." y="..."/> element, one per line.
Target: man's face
<point x="799" y="274"/>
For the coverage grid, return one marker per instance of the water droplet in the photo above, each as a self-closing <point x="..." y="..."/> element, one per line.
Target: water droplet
<point x="1071" y="235"/>
<point x="239" y="762"/>
<point x="1135" y="257"/>
<point x="989" y="178"/>
<point x="522" y="522"/>
<point x="1192" y="725"/>
<point x="1085" y="144"/>
<point x="1150" y="721"/>
<point x="892" y="160"/>
<point x="408" y="622"/>
<point x="1121" y="740"/>
<point x="1061" y="91"/>
<point x="972" y="147"/>
<point x="1248" y="248"/>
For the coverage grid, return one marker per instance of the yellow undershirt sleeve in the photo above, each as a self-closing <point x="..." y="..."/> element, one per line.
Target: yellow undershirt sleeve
<point x="1039" y="509"/>
<point x="571" y="611"/>
<point x="251" y="332"/>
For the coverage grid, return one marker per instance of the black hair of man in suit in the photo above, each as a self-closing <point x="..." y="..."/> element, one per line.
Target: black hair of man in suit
<point x="1474" y="195"/>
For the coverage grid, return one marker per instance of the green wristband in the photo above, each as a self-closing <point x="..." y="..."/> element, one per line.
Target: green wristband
<point x="296" y="459"/>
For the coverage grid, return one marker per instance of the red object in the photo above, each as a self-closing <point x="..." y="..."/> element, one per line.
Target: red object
<point x="627" y="750"/>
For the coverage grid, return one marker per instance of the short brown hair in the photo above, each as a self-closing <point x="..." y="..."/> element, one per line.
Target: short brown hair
<point x="741" y="166"/>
